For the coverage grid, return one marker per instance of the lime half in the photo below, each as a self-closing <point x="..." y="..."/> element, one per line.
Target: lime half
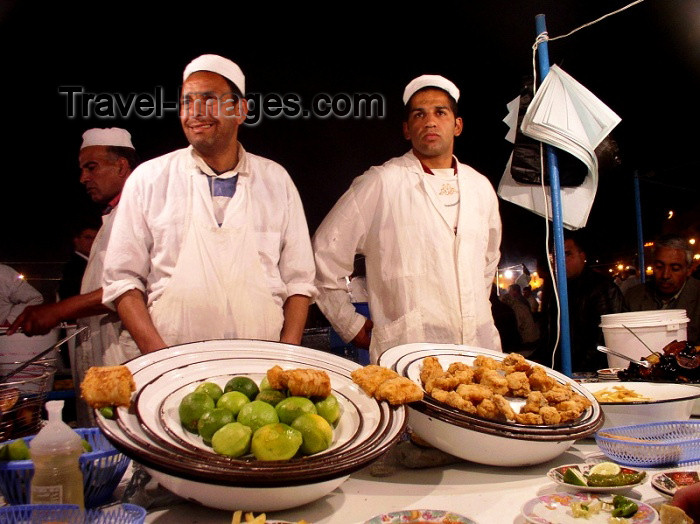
<point x="605" y="468"/>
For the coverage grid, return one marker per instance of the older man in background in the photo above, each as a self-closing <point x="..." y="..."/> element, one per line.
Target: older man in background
<point x="671" y="287"/>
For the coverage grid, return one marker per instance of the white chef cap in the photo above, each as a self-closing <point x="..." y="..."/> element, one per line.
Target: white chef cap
<point x="111" y="136"/>
<point x="217" y="64"/>
<point x="430" y="81"/>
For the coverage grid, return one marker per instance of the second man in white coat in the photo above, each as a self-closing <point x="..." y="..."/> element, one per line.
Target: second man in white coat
<point x="430" y="231"/>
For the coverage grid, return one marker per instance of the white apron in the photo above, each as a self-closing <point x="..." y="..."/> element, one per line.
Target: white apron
<point x="218" y="288"/>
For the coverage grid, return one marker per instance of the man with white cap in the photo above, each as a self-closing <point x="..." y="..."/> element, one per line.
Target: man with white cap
<point x="107" y="157"/>
<point x="210" y="241"/>
<point x="430" y="231"/>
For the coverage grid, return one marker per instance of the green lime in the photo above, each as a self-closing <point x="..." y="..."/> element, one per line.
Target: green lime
<point x="18" y="450"/>
<point x="233" y="401"/>
<point x="86" y="445"/>
<point x="107" y="412"/>
<point x="245" y="385"/>
<point x="211" y="389"/>
<point x="271" y="396"/>
<point x="316" y="432"/>
<point x="256" y="414"/>
<point x="275" y="442"/>
<point x="232" y="440"/>
<point x="575" y="477"/>
<point x="605" y="468"/>
<point x="213" y="420"/>
<point x="192" y="407"/>
<point x="291" y="407"/>
<point x="329" y="408"/>
<point x="264" y="384"/>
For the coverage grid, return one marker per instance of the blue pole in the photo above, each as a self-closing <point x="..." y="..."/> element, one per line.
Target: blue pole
<point x="557" y="221"/>
<point x="640" y="233"/>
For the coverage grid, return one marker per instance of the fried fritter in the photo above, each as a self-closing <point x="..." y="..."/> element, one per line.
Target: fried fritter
<point x="515" y="362"/>
<point x="300" y="382"/>
<point x="540" y="381"/>
<point x="558" y="393"/>
<point x="370" y="377"/>
<point x="550" y="415"/>
<point x="399" y="390"/>
<point x="107" y="386"/>
<point x="528" y="418"/>
<point x="494" y="380"/>
<point x="518" y="384"/>
<point x="431" y="368"/>
<point x="503" y="407"/>
<point x="534" y="403"/>
<point x="452" y="398"/>
<point x="487" y="409"/>
<point x="474" y="393"/>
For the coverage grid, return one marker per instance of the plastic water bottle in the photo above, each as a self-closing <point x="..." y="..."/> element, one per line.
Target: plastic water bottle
<point x="55" y="451"/>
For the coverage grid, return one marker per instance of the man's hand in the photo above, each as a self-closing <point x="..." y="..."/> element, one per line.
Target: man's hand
<point x="363" y="337"/>
<point x="37" y="320"/>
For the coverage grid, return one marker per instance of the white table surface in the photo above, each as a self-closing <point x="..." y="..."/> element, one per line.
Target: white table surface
<point x="486" y="494"/>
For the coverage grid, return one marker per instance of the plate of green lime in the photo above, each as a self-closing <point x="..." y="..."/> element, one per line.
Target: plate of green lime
<point x="604" y="477"/>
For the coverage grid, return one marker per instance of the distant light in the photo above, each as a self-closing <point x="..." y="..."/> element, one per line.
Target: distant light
<point x="691" y="241"/>
<point x="670" y="214"/>
<point x="649" y="271"/>
<point x="696" y="256"/>
<point x="508" y="273"/>
<point x="21" y="276"/>
<point x="610" y="270"/>
<point x="620" y="267"/>
<point x="648" y="244"/>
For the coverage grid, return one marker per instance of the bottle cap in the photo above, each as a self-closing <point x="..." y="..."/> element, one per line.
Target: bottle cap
<point x="56" y="436"/>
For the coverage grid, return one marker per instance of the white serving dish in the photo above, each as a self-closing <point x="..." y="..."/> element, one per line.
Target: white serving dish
<point x="255" y="499"/>
<point x="670" y="402"/>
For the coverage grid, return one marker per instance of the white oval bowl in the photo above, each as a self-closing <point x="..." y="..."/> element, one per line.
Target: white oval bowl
<point x="483" y="448"/>
<point x="254" y="499"/>
<point x="669" y="402"/>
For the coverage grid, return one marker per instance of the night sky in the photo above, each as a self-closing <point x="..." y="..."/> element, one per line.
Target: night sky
<point x="643" y="63"/>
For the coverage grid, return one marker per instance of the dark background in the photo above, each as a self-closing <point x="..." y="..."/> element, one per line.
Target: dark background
<point x="643" y="63"/>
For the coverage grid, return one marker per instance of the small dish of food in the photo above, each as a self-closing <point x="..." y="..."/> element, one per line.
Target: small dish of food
<point x="591" y="508"/>
<point x="668" y="482"/>
<point x="420" y="516"/>
<point x="604" y="477"/>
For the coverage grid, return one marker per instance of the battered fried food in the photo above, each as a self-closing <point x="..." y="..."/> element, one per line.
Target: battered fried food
<point x="399" y="390"/>
<point x="107" y="386"/>
<point x="431" y="368"/>
<point x="530" y="419"/>
<point x="300" y="382"/>
<point x="539" y="380"/>
<point x="518" y="384"/>
<point x="503" y="407"/>
<point x="474" y="393"/>
<point x="370" y="377"/>
<point x="558" y="393"/>
<point x="493" y="379"/>
<point x="550" y="415"/>
<point x="534" y="403"/>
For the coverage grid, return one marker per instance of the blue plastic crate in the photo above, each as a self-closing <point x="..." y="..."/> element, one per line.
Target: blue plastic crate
<point x="102" y="468"/>
<point x="71" y="514"/>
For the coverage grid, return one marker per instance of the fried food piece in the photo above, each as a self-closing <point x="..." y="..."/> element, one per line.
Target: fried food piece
<point x="277" y="378"/>
<point x="300" y="382"/>
<point x="534" y="403"/>
<point x="515" y="362"/>
<point x="399" y="390"/>
<point x="431" y="368"/>
<point x="569" y="415"/>
<point x="558" y="393"/>
<point x="550" y="415"/>
<point x="370" y="377"/>
<point x="530" y="419"/>
<point x="474" y="393"/>
<point x="518" y="384"/>
<point x="445" y="381"/>
<point x="452" y="398"/>
<point x="503" y="407"/>
<point x="582" y="401"/>
<point x="482" y="361"/>
<point x="107" y="386"/>
<point x="308" y="383"/>
<point x="487" y="409"/>
<point x="494" y="380"/>
<point x="540" y="381"/>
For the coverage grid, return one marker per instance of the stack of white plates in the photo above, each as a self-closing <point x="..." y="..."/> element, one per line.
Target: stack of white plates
<point x="150" y="431"/>
<point x="490" y="442"/>
<point x="608" y="373"/>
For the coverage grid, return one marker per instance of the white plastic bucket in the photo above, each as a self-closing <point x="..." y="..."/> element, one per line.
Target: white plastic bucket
<point x="656" y="328"/>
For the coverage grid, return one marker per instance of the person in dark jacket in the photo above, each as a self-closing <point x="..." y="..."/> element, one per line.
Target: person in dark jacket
<point x="590" y="295"/>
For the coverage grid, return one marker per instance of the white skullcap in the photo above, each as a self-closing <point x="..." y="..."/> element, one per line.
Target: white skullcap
<point x="430" y="81"/>
<point x="217" y="64"/>
<point x="111" y="136"/>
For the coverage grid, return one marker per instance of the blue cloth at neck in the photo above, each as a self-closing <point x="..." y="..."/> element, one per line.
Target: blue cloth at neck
<point x="225" y="187"/>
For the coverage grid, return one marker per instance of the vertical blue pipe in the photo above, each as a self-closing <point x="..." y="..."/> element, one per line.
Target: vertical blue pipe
<point x="640" y="233"/>
<point x="557" y="221"/>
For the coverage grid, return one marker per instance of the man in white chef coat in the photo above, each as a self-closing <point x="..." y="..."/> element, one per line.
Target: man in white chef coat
<point x="107" y="157"/>
<point x="210" y="241"/>
<point x="430" y="231"/>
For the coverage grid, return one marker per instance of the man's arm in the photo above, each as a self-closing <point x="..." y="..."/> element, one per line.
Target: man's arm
<point x="132" y="309"/>
<point x="296" y="309"/>
<point x="39" y="320"/>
